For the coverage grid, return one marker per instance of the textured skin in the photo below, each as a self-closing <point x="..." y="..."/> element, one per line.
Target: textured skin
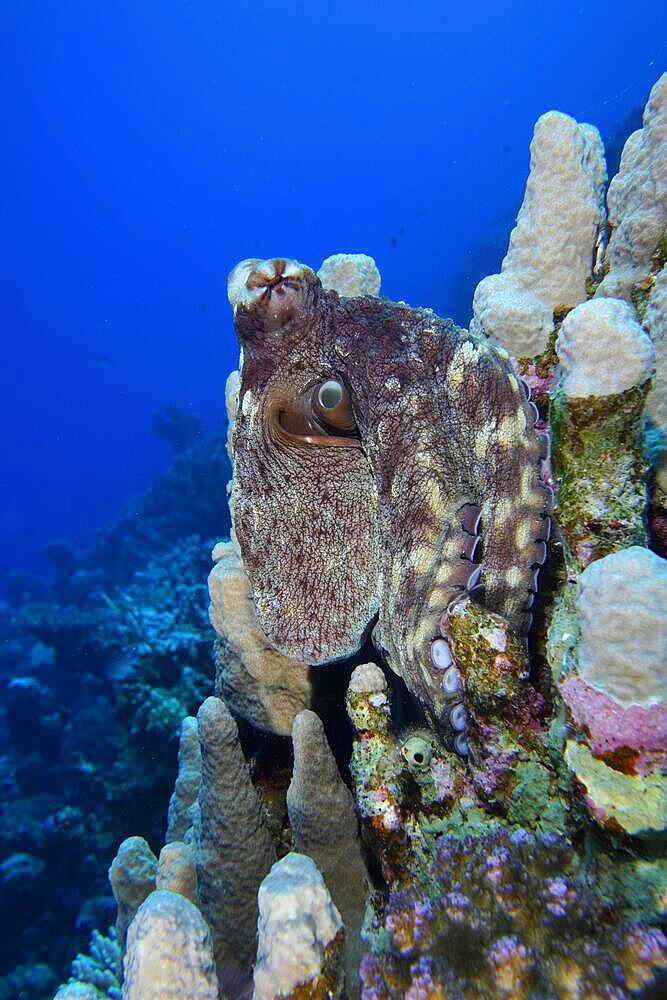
<point x="334" y="530"/>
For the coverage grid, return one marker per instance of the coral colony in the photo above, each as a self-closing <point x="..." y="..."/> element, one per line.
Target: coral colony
<point x="468" y="528"/>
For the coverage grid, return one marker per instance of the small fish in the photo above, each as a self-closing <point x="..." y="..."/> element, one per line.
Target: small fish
<point x="102" y="361"/>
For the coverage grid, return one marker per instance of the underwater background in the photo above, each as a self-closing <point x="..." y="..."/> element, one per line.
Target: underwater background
<point x="147" y="147"/>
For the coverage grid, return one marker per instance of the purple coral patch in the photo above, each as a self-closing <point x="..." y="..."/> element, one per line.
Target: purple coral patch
<point x="632" y="740"/>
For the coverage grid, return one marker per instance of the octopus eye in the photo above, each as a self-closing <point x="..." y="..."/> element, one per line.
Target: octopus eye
<point x="331" y="403"/>
<point x="330" y="394"/>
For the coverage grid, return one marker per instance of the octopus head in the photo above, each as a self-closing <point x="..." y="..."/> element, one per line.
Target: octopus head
<point x="270" y="296"/>
<point x="304" y="499"/>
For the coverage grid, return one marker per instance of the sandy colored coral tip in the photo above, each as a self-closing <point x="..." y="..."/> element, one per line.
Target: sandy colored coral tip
<point x="367" y="678"/>
<point x="298" y="922"/>
<point x="603" y="349"/>
<point x="350" y="274"/>
<point x="622" y="604"/>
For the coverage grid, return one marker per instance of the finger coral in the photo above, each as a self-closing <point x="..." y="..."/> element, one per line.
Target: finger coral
<point x="169" y="952"/>
<point x="300" y="935"/>
<point x="233" y="847"/>
<point x="325" y="827"/>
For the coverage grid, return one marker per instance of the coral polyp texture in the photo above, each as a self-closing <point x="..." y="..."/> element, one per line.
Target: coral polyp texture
<point x="300" y="934"/>
<point x="466" y="531"/>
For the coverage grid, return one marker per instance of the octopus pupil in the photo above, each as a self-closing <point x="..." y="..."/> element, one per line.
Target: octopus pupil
<point x="330" y="395"/>
<point x="419" y="758"/>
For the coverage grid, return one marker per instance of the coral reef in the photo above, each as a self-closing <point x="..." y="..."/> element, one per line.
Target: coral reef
<point x="516" y="915"/>
<point x="615" y="692"/>
<point x="396" y="493"/>
<point x="98" y="668"/>
<point x="95" y="975"/>
<point x="177" y="427"/>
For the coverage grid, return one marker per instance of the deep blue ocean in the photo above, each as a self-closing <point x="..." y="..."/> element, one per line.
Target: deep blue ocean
<point x="148" y="146"/>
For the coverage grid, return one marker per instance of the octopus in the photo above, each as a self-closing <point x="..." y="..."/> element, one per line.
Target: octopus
<point x="385" y="466"/>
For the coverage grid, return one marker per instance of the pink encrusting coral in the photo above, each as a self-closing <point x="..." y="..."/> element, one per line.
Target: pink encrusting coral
<point x="632" y="739"/>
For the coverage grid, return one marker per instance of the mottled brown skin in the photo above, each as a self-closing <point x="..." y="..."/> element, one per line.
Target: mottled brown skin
<point x="336" y="529"/>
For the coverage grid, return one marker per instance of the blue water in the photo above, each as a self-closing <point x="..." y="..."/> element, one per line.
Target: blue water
<point x="148" y="146"/>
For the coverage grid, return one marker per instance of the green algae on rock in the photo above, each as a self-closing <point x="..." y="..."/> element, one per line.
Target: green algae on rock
<point x="600" y="466"/>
